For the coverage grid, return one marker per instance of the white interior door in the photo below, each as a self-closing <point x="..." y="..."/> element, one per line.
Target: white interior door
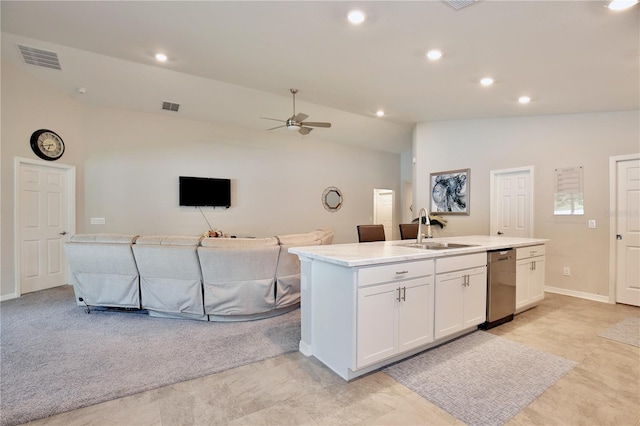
<point x="511" y="202"/>
<point x="383" y="210"/>
<point x="43" y="226"/>
<point x="628" y="232"/>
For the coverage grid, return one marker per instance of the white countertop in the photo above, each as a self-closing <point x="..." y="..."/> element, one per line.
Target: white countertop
<point x="361" y="254"/>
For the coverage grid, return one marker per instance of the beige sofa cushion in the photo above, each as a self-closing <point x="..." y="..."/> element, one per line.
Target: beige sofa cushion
<point x="104" y="238"/>
<point x="168" y="240"/>
<point x="238" y="243"/>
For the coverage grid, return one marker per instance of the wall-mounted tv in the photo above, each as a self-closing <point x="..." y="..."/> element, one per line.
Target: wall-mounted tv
<point x="200" y="191"/>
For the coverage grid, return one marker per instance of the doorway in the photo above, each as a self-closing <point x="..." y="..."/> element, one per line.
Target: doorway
<point x="45" y="219"/>
<point x="511" y="194"/>
<point x="624" y="225"/>
<point x="383" y="210"/>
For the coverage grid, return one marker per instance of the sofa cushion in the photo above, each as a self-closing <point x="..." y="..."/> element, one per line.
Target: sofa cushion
<point x="168" y="240"/>
<point x="293" y="240"/>
<point x="325" y="235"/>
<point x="104" y="238"/>
<point x="238" y="243"/>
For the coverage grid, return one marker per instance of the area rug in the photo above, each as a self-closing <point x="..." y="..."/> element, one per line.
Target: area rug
<point x="55" y="357"/>
<point x="481" y="379"/>
<point x="626" y="331"/>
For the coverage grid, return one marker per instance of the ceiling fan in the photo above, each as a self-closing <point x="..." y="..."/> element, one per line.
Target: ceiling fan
<point x="296" y="121"/>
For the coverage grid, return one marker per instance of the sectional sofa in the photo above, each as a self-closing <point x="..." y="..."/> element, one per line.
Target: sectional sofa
<point x="209" y="279"/>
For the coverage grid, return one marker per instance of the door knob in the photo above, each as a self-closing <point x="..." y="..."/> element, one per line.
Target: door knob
<point x="500" y="232"/>
<point x="63" y="233"/>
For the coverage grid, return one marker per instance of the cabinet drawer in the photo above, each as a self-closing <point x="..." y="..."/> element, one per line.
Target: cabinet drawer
<point x="394" y="272"/>
<point x="531" y="251"/>
<point x="456" y="263"/>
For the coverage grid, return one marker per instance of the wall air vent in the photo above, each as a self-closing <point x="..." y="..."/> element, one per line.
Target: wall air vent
<point x="39" y="57"/>
<point x="170" y="106"/>
<point x="459" y="4"/>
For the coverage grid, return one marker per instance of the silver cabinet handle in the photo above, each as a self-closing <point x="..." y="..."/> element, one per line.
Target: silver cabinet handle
<point x="404" y="294"/>
<point x="401" y="272"/>
<point x="398" y="299"/>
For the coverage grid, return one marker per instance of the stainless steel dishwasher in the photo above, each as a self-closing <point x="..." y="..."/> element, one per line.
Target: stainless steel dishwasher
<point x="501" y="287"/>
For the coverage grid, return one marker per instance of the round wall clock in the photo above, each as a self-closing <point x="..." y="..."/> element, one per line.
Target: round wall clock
<point x="47" y="145"/>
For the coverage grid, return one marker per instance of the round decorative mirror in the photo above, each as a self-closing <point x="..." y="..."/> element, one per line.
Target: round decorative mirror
<point x="332" y="199"/>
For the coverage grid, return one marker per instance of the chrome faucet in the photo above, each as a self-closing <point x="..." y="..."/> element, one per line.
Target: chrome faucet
<point x="427" y="222"/>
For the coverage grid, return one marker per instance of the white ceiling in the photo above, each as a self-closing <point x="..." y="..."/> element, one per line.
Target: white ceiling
<point x="232" y="62"/>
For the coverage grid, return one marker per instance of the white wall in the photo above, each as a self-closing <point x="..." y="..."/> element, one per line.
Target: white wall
<point x="128" y="165"/>
<point x="545" y="142"/>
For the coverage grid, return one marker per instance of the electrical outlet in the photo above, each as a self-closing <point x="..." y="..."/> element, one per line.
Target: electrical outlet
<point x="98" y="221"/>
<point x="566" y="271"/>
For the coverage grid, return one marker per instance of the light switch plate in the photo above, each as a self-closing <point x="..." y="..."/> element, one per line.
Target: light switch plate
<point x="592" y="224"/>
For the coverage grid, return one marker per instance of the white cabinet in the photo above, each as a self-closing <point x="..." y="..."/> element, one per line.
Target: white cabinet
<point x="530" y="263"/>
<point x="460" y="293"/>
<point x="393" y="318"/>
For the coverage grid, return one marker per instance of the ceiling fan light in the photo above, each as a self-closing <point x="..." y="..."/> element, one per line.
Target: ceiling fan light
<point x="292" y="127"/>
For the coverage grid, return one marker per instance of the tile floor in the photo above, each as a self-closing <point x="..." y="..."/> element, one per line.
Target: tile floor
<point x="604" y="389"/>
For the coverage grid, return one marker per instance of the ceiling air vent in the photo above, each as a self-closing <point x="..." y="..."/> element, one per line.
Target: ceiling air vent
<point x="39" y="57"/>
<point x="459" y="4"/>
<point x="170" y="106"/>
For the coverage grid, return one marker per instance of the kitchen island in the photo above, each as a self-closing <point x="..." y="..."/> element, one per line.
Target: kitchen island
<point x="366" y="305"/>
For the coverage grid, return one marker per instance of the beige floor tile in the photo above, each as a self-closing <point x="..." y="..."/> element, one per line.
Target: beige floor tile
<point x="603" y="389"/>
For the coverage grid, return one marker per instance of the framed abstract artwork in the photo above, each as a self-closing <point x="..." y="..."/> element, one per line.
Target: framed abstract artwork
<point x="450" y="192"/>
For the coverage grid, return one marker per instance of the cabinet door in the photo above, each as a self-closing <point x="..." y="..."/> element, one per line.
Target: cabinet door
<point x="448" y="304"/>
<point x="523" y="272"/>
<point x="415" y="313"/>
<point x="475" y="297"/>
<point x="377" y="323"/>
<point x="536" y="280"/>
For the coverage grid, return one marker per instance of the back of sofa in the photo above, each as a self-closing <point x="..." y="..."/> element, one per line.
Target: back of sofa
<point x="170" y="277"/>
<point x="238" y="275"/>
<point x="103" y="270"/>
<point x="288" y="271"/>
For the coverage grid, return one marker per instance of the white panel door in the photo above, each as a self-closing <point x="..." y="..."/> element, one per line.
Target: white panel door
<point x="43" y="227"/>
<point x="383" y="211"/>
<point x="512" y="204"/>
<point x="628" y="232"/>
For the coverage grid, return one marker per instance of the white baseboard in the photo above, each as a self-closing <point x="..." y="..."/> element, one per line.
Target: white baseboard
<point x="579" y="294"/>
<point x="8" y="297"/>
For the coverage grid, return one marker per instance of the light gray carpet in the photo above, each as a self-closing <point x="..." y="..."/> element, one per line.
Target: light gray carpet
<point x="55" y="357"/>
<point x="481" y="379"/>
<point x="626" y="331"/>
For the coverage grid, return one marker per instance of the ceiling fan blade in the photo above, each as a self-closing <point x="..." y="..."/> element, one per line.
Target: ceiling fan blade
<point x="274" y="119"/>
<point x="316" y="124"/>
<point x="300" y="117"/>
<point x="305" y="130"/>
<point x="277" y="127"/>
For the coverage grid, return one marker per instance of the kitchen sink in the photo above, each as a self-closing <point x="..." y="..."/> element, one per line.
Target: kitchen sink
<point x="432" y="245"/>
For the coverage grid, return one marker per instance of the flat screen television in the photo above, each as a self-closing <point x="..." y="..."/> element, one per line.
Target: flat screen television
<point x="199" y="191"/>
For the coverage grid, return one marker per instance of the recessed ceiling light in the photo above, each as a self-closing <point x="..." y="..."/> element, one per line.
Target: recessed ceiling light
<point x="487" y="81"/>
<point x="161" y="57"/>
<point x="621" y="4"/>
<point x="380" y="113"/>
<point x="434" y="55"/>
<point x="356" y="17"/>
<point x="524" y="99"/>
